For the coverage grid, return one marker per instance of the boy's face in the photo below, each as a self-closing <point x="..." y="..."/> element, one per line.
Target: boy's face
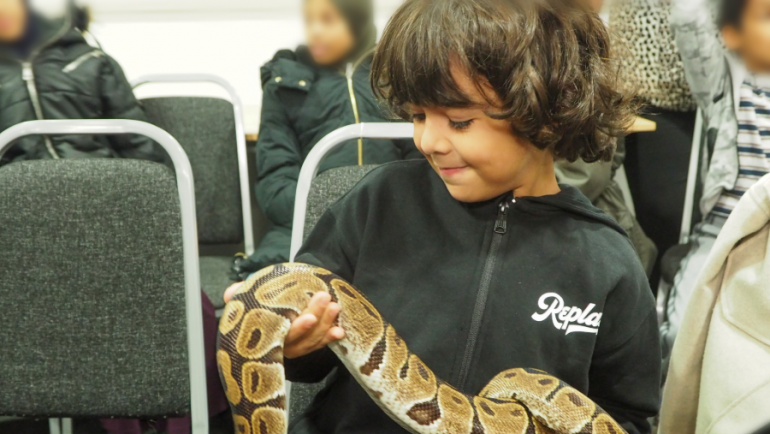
<point x="477" y="157"/>
<point x="329" y="37"/>
<point x="13" y="20"/>
<point x="752" y="39"/>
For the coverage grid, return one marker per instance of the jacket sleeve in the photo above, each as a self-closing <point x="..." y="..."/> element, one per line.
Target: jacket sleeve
<point x="703" y="57"/>
<point x="279" y="159"/>
<point x="326" y="247"/>
<point x="119" y="102"/>
<point x="625" y="373"/>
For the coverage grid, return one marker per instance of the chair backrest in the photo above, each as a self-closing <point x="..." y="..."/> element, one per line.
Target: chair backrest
<point x="328" y="188"/>
<point x="92" y="290"/>
<point x="313" y="161"/>
<point x="314" y="195"/>
<point x="205" y="127"/>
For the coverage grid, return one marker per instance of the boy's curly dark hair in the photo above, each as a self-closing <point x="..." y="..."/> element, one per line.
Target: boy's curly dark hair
<point x="549" y="62"/>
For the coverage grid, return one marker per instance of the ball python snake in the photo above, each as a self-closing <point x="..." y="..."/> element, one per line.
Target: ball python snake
<point x="250" y="359"/>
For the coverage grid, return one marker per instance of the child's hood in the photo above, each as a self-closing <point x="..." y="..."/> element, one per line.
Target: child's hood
<point x="571" y="201"/>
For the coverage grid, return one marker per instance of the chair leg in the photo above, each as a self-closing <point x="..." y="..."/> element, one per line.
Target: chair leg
<point x="54" y="426"/>
<point x="66" y="426"/>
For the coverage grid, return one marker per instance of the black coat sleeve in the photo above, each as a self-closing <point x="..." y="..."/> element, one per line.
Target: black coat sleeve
<point x="119" y="102"/>
<point x="625" y="375"/>
<point x="279" y="160"/>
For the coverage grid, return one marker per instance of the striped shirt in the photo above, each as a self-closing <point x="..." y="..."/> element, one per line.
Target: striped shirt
<point x="753" y="142"/>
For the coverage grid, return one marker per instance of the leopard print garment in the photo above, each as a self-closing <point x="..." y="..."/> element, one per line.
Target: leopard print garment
<point x="654" y="63"/>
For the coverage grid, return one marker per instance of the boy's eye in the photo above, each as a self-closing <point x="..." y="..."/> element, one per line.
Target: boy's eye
<point x="460" y="125"/>
<point x="418" y="117"/>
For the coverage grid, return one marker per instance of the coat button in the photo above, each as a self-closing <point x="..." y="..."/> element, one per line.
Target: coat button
<point x="303" y="83"/>
<point x="278" y="79"/>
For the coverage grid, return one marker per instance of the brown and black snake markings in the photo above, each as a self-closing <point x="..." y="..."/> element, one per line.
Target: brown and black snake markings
<point x="250" y="358"/>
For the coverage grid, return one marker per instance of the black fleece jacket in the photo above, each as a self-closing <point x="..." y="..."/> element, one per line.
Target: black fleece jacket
<point x="474" y="289"/>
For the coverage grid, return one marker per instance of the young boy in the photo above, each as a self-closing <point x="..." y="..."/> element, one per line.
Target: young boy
<point x="475" y="254"/>
<point x="733" y="91"/>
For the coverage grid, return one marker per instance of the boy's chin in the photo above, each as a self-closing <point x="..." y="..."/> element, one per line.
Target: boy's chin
<point x="469" y="193"/>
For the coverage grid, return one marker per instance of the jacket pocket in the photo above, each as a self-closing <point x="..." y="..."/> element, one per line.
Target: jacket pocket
<point x="75" y="64"/>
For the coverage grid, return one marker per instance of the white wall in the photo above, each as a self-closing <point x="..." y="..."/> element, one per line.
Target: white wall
<point x="232" y="41"/>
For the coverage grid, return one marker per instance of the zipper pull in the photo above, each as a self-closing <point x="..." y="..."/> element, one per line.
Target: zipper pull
<point x="26" y="71"/>
<point x="501" y="225"/>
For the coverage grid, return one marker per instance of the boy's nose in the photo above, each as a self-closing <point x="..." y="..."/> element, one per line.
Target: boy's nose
<point x="431" y="140"/>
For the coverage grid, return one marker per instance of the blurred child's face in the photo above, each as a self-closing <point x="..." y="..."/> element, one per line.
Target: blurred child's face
<point x="329" y="37"/>
<point x="13" y="20"/>
<point x="752" y="39"/>
<point x="477" y="157"/>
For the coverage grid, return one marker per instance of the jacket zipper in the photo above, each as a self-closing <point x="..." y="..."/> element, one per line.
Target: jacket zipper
<point x="349" y="75"/>
<point x="28" y="75"/>
<point x="75" y="64"/>
<point x="501" y="227"/>
<point x="349" y="71"/>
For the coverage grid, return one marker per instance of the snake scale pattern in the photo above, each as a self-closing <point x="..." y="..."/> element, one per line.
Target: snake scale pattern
<point x="250" y="358"/>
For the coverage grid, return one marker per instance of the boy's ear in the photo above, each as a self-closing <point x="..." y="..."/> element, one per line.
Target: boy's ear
<point x="732" y="37"/>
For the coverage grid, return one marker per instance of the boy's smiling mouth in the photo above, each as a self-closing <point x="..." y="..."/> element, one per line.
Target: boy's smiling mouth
<point x="451" y="171"/>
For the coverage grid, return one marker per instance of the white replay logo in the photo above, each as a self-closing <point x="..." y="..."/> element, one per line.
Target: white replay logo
<point x="569" y="318"/>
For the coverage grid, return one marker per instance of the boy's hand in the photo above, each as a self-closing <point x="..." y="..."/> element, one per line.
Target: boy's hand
<point x="312" y="330"/>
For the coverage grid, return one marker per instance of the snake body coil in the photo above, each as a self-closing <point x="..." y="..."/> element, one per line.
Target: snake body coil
<point x="250" y="358"/>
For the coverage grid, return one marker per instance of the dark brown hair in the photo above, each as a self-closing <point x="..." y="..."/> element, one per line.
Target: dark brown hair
<point x="549" y="62"/>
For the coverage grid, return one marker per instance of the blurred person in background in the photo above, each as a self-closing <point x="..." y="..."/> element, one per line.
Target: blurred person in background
<point x="597" y="182"/>
<point x="732" y="89"/>
<point x="309" y="93"/>
<point x="656" y="162"/>
<point x="49" y="71"/>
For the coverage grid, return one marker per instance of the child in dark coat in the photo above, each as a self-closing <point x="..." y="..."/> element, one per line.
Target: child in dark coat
<point x="49" y="71"/>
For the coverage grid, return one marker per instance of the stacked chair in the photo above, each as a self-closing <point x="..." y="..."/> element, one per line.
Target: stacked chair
<point x="211" y="132"/>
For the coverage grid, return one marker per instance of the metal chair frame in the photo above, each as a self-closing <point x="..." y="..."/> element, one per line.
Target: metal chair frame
<point x="240" y="136"/>
<point x="378" y="130"/>
<point x="374" y="130"/>
<point x="185" y="185"/>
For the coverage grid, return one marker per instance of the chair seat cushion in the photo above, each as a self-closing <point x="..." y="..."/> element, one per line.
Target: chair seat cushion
<point x="215" y="278"/>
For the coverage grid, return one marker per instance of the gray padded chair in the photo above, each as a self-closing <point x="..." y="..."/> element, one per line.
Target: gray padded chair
<point x="327" y="188"/>
<point x="86" y="247"/>
<point x="314" y="195"/>
<point x="95" y="286"/>
<point x="211" y="132"/>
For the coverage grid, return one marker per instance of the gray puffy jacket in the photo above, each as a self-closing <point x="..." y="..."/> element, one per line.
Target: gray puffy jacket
<point x="713" y="75"/>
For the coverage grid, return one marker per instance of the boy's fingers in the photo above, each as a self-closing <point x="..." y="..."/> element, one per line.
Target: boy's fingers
<point x="301" y="327"/>
<point x="318" y="304"/>
<point x="334" y="334"/>
<point x="231" y="290"/>
<point x="327" y="320"/>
